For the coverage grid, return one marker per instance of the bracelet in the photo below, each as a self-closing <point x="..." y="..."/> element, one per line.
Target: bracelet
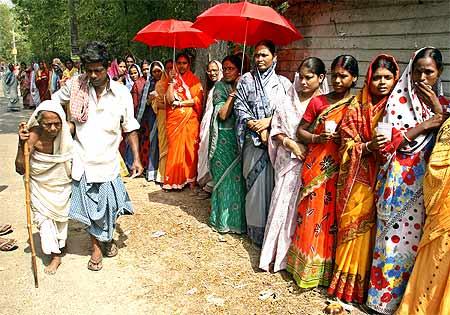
<point x="313" y="137"/>
<point x="406" y="137"/>
<point x="284" y="140"/>
<point x="367" y="147"/>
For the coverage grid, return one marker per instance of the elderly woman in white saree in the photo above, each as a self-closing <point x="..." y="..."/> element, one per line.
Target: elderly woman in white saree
<point x="259" y="93"/>
<point x="50" y="175"/>
<point x="215" y="74"/>
<point x="286" y="155"/>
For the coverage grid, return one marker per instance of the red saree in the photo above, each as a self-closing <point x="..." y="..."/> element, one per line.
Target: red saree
<point x="310" y="257"/>
<point x="183" y="129"/>
<point x="144" y="131"/>
<point x="42" y="84"/>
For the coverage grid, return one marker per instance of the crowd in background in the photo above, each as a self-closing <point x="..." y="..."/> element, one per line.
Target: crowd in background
<point x="346" y="191"/>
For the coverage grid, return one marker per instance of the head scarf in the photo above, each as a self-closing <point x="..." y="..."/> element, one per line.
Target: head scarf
<point x="404" y="109"/>
<point x="220" y="75"/>
<point x="155" y="64"/>
<point x="57" y="62"/>
<point x="148" y="87"/>
<point x="9" y="77"/>
<point x="33" y="88"/>
<point x="63" y="142"/>
<point x="113" y="70"/>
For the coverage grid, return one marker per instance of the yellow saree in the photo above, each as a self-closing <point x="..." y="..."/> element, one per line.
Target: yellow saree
<point x="428" y="290"/>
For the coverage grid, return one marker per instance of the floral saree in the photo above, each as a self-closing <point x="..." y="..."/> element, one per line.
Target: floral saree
<point x="399" y="200"/>
<point x="355" y="207"/>
<point x="310" y="256"/>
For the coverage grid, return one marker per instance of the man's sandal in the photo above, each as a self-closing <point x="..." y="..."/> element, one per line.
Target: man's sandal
<point x="7" y="245"/>
<point x="5" y="229"/>
<point x="111" y="249"/>
<point x="95" y="265"/>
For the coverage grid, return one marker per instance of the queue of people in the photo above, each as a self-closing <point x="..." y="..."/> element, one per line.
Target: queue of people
<point x="35" y="82"/>
<point x="330" y="185"/>
<point x="349" y="192"/>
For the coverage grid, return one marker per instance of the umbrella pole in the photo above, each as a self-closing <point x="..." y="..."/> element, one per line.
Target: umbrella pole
<point x="26" y="153"/>
<point x="245" y="42"/>
<point x="173" y="63"/>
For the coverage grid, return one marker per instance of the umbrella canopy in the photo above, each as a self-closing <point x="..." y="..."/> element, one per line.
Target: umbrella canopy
<point x="246" y="23"/>
<point x="173" y="33"/>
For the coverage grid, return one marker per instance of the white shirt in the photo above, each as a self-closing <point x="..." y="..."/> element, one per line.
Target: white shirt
<point x="97" y="140"/>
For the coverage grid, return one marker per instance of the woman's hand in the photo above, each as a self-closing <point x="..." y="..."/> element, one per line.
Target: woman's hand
<point x="323" y="137"/>
<point x="377" y="143"/>
<point x="151" y="96"/>
<point x="264" y="135"/>
<point x="172" y="74"/>
<point x="434" y="122"/>
<point x="297" y="148"/>
<point x="259" y="125"/>
<point x="426" y="94"/>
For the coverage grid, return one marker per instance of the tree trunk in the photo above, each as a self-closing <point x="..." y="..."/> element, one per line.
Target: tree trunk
<point x="75" y="50"/>
<point x="214" y="52"/>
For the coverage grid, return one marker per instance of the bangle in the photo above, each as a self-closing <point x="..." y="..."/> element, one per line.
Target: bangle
<point x="284" y="140"/>
<point x="312" y="138"/>
<point x="367" y="147"/>
<point x="406" y="137"/>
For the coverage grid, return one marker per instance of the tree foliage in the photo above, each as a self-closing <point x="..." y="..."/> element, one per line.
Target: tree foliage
<point x="46" y="23"/>
<point x="7" y="22"/>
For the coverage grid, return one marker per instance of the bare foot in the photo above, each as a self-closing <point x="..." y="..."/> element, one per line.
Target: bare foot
<point x="54" y="264"/>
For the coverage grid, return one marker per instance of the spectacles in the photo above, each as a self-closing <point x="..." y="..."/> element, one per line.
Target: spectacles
<point x="213" y="70"/>
<point x="229" y="68"/>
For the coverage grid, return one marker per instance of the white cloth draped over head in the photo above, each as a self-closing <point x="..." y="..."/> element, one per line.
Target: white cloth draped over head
<point x="50" y="174"/>
<point x="203" y="161"/>
<point x="404" y="109"/>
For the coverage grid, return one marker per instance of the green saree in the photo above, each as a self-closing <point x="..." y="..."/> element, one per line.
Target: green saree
<point x="228" y="196"/>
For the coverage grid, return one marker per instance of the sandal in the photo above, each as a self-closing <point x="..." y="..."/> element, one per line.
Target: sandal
<point x="95" y="265"/>
<point x="5" y="229"/>
<point x="7" y="245"/>
<point x="111" y="249"/>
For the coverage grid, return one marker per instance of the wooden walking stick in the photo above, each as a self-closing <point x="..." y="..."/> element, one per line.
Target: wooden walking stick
<point x="26" y="153"/>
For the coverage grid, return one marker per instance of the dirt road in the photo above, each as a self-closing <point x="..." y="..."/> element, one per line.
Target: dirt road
<point x="188" y="270"/>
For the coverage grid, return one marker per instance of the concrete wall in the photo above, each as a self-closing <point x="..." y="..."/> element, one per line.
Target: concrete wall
<point x="365" y="29"/>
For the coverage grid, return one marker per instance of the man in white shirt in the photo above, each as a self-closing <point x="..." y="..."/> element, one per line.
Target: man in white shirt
<point x="100" y="110"/>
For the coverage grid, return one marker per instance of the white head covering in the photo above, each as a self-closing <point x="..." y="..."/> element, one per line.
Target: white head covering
<point x="219" y="65"/>
<point x="405" y="110"/>
<point x="63" y="141"/>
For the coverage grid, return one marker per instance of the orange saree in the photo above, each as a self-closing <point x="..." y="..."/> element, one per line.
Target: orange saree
<point x="183" y="129"/>
<point x="310" y="257"/>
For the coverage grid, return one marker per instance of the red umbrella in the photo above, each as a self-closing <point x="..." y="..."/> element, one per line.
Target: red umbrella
<point x="246" y="23"/>
<point x="173" y="33"/>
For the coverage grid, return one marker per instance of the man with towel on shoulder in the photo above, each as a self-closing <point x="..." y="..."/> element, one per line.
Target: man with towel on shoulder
<point x="50" y="142"/>
<point x="100" y="109"/>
